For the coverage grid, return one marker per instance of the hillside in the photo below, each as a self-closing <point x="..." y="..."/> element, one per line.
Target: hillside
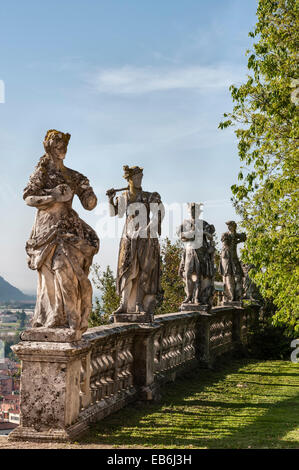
<point x="10" y="293"/>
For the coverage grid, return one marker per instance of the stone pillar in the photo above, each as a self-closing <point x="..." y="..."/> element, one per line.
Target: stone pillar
<point x="50" y="389"/>
<point x="237" y="312"/>
<point x="144" y="361"/>
<point x="203" y="339"/>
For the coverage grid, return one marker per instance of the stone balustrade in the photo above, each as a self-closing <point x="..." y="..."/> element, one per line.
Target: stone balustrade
<point x="66" y="386"/>
<point x="174" y="343"/>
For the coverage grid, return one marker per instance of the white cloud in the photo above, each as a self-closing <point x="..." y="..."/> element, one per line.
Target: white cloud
<point x="130" y="80"/>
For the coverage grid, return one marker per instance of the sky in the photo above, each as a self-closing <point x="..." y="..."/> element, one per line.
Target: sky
<point x="135" y="82"/>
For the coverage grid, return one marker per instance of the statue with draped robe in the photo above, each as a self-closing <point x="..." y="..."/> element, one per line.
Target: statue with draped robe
<point x="61" y="245"/>
<point x="138" y="270"/>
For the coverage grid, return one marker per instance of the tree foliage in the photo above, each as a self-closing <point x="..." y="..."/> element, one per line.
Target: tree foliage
<point x="105" y="282"/>
<point x="172" y="287"/>
<point x="266" y="120"/>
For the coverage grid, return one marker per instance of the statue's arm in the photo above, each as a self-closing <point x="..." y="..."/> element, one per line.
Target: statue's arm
<point x="188" y="236"/>
<point x="34" y="194"/>
<point x="113" y="205"/>
<point x="179" y="231"/>
<point x="86" y="194"/>
<point x="39" y="201"/>
<point x="241" y="237"/>
<point x="118" y="205"/>
<point x="182" y="265"/>
<point x="187" y="231"/>
<point x="62" y="193"/>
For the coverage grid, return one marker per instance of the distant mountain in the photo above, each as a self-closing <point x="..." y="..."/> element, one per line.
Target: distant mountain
<point x="11" y="293"/>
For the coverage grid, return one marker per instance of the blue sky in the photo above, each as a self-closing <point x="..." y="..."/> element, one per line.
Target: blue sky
<point x="137" y="82"/>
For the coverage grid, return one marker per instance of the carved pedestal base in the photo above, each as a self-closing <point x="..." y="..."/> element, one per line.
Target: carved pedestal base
<point x="56" y="335"/>
<point x="195" y="308"/>
<point x="133" y="318"/>
<point x="50" y="390"/>
<point x="22" y="433"/>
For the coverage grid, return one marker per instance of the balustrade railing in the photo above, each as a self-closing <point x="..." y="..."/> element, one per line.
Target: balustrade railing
<point x="113" y="365"/>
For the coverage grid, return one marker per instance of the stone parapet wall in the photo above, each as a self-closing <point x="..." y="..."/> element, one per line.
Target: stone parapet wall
<point x="67" y="386"/>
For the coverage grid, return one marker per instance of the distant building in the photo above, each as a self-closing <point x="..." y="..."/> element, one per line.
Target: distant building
<point x="6" y="384"/>
<point x="8" y="318"/>
<point x="14" y="418"/>
<point x="10" y="404"/>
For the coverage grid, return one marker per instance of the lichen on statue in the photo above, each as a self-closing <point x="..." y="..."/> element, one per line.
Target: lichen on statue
<point x="61" y="245"/>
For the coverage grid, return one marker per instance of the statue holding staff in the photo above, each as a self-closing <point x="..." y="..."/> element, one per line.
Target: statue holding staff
<point x="138" y="270"/>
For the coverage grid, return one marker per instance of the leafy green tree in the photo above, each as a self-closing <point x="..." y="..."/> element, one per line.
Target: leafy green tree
<point x="109" y="301"/>
<point x="172" y="287"/>
<point x="8" y="342"/>
<point x="22" y="319"/>
<point x="266" y="196"/>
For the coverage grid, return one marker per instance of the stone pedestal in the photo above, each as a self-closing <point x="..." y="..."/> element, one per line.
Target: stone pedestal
<point x="232" y="303"/>
<point x="50" y="389"/>
<point x="133" y="318"/>
<point x="203" y="352"/>
<point x="57" y="335"/>
<point x="195" y="307"/>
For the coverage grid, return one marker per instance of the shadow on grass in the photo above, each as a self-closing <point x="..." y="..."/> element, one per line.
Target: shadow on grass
<point x="183" y="420"/>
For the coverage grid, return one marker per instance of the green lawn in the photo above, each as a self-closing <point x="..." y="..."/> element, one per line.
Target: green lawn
<point x="244" y="404"/>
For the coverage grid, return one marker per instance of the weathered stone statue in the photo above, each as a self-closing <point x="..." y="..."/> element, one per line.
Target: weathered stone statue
<point x="197" y="263"/>
<point x="230" y="266"/>
<point x="138" y="271"/>
<point x="208" y="272"/>
<point x="61" y="245"/>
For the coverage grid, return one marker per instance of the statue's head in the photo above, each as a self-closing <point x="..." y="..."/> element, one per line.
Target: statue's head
<point x="133" y="174"/>
<point x="232" y="226"/>
<point x="195" y="209"/>
<point x="56" y="143"/>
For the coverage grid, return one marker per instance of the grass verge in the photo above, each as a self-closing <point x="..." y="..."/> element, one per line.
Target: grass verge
<point x="243" y="404"/>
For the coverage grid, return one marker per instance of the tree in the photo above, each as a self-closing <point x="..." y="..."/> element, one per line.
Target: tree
<point x="22" y="319"/>
<point x="172" y="287"/>
<point x="109" y="301"/>
<point x="266" y="195"/>
<point x="8" y="342"/>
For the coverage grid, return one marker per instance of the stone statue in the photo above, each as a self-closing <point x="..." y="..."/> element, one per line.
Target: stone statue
<point x="197" y="264"/>
<point x="61" y="245"/>
<point x="230" y="266"/>
<point x="138" y="271"/>
<point x="208" y="271"/>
